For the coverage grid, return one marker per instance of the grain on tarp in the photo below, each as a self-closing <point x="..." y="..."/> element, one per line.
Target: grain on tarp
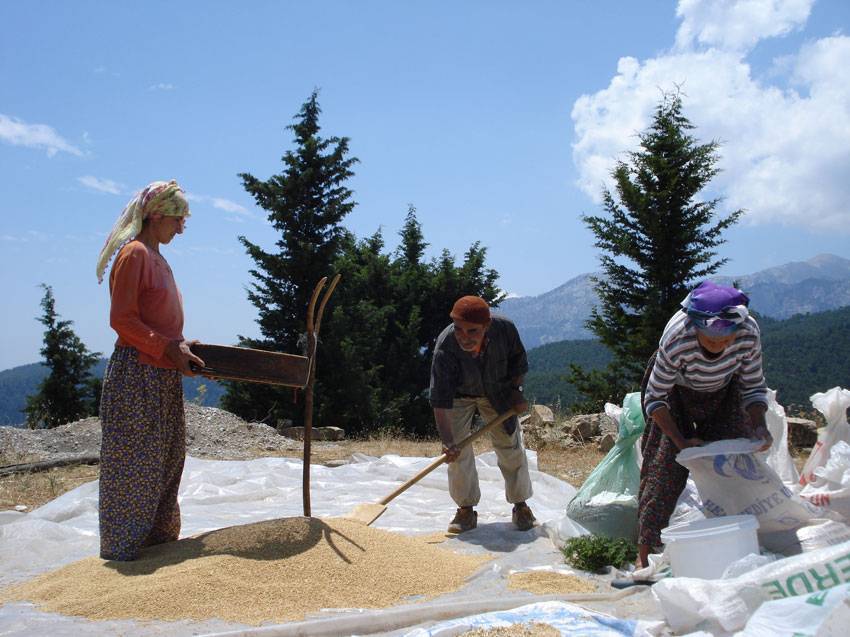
<point x="549" y="583"/>
<point x="526" y="629"/>
<point x="273" y="571"/>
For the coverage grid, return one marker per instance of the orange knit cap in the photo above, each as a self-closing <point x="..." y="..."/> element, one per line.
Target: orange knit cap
<point x="471" y="308"/>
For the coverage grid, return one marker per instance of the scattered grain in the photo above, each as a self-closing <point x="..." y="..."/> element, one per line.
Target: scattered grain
<point x="549" y="583"/>
<point x="273" y="571"/>
<point x="438" y="537"/>
<point x="528" y="629"/>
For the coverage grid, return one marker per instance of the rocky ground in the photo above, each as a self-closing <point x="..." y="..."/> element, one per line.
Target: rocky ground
<point x="218" y="434"/>
<point x="37" y="466"/>
<point x="210" y="433"/>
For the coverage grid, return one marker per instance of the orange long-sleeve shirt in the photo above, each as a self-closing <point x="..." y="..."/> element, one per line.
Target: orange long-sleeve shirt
<point x="146" y="306"/>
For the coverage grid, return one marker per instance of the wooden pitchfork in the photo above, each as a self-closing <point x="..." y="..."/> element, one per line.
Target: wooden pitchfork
<point x="312" y="342"/>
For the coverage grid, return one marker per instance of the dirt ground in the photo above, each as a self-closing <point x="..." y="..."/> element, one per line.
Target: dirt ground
<point x="571" y="464"/>
<point x="35" y="488"/>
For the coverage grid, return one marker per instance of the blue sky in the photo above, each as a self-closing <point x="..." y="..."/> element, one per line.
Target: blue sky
<point x="499" y="121"/>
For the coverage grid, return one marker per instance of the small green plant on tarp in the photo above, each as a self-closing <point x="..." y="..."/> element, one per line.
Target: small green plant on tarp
<point x="593" y="553"/>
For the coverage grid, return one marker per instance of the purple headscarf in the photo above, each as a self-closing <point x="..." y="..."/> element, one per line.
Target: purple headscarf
<point x="716" y="310"/>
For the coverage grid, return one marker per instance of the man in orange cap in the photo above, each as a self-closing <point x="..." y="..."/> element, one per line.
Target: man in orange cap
<point x="479" y="365"/>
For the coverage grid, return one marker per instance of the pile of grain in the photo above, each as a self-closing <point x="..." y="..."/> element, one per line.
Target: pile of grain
<point x="273" y="571"/>
<point x="549" y="583"/>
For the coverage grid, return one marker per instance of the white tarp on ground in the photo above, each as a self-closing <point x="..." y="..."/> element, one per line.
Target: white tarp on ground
<point x="218" y="494"/>
<point x="569" y="619"/>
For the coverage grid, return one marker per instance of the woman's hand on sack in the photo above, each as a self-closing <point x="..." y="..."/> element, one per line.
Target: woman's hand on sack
<point x="684" y="443"/>
<point x="664" y="420"/>
<point x="759" y="424"/>
<point x="761" y="433"/>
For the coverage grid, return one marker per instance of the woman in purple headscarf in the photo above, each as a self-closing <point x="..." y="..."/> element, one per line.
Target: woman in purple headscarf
<point x="704" y="383"/>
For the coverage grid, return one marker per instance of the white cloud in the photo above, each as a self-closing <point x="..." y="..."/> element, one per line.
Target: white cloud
<point x="102" y="69"/>
<point x="737" y="24"/>
<point x="229" y="206"/>
<point x="784" y="149"/>
<point x="161" y="87"/>
<point x="242" y="213"/>
<point x="102" y="185"/>
<point x="209" y="250"/>
<point x="19" y="133"/>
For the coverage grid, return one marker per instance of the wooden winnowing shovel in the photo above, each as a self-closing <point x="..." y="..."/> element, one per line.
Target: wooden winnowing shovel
<point x="368" y="513"/>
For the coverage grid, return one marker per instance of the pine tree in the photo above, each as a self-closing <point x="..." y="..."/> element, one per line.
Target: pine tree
<point x="659" y="241"/>
<point x="380" y="326"/>
<point x="378" y="342"/>
<point x="306" y="203"/>
<point x="69" y="392"/>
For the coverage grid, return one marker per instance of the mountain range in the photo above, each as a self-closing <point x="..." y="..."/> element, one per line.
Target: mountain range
<point x="801" y="287"/>
<point x="798" y="287"/>
<point x="18" y="382"/>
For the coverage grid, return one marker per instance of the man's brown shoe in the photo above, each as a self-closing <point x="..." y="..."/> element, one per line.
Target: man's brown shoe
<point x="523" y="517"/>
<point x="464" y="520"/>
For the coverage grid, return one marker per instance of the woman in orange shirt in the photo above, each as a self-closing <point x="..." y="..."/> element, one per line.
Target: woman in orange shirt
<point x="141" y="409"/>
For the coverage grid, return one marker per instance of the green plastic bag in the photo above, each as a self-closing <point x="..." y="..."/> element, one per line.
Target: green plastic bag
<point x="606" y="504"/>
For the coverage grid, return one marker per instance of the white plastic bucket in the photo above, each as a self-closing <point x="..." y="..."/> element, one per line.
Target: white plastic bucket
<point x="704" y="548"/>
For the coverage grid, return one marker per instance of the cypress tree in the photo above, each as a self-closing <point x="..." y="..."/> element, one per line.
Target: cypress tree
<point x="68" y="392"/>
<point x="380" y="326"/>
<point x="658" y="240"/>
<point x="305" y="204"/>
<point x="379" y="339"/>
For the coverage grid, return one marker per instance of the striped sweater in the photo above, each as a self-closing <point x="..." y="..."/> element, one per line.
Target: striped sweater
<point x="681" y="361"/>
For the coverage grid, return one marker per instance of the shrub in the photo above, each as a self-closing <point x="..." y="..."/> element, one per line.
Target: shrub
<point x="594" y="552"/>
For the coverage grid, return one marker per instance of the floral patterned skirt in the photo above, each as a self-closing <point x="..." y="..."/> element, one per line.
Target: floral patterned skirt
<point x="141" y="457"/>
<point x="710" y="416"/>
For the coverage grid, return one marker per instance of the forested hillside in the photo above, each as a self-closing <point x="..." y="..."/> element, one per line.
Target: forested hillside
<point x="822" y="283"/>
<point x="804" y="354"/>
<point x="17" y="382"/>
<point x="550" y="363"/>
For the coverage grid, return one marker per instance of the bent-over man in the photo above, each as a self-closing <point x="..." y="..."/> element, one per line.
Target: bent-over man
<point x="479" y="365"/>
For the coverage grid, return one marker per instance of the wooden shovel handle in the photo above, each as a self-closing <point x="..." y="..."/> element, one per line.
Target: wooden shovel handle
<point x="436" y="463"/>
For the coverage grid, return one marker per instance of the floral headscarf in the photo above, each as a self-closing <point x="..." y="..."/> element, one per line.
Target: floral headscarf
<point x="159" y="199"/>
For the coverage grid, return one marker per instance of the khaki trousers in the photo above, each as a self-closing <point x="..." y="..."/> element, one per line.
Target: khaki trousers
<point x="510" y="456"/>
